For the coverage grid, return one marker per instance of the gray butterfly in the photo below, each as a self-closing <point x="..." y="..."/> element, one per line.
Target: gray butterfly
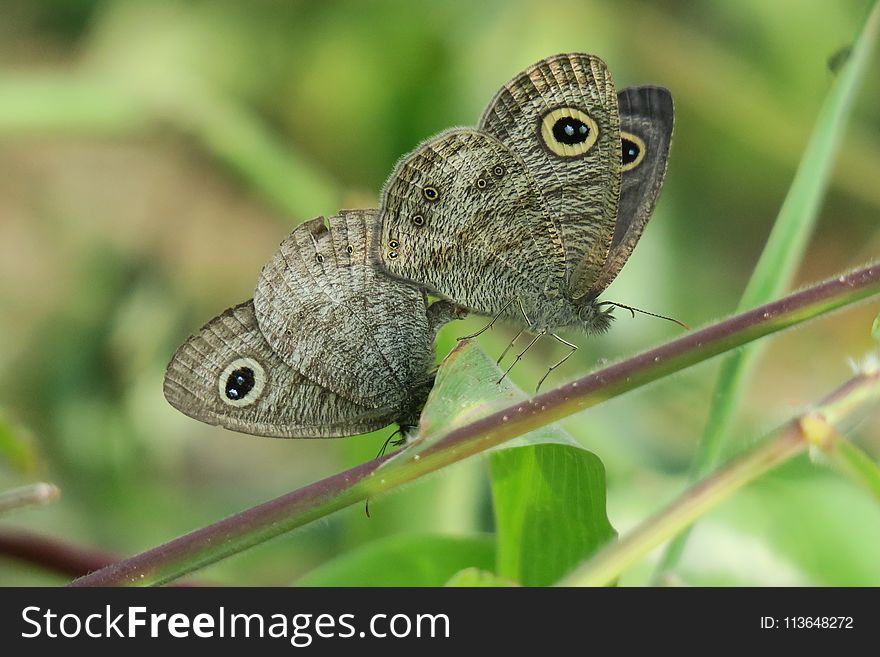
<point x="531" y="215"/>
<point x="328" y="347"/>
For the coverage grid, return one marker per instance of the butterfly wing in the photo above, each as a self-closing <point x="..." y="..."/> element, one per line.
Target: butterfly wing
<point x="330" y="314"/>
<point x="646" y="122"/>
<point x="227" y="374"/>
<point x="463" y="217"/>
<point x="560" y="116"/>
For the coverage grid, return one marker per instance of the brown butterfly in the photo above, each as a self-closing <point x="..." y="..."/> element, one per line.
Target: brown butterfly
<point x="328" y="347"/>
<point x="530" y="216"/>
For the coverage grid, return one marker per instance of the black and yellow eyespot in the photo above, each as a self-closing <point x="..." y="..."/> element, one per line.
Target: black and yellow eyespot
<point x="393" y="243"/>
<point x="393" y="254"/>
<point x="632" y="151"/>
<point x="418" y="220"/>
<point x="481" y="183"/>
<point x="319" y="258"/>
<point x="241" y="383"/>
<point x="498" y="170"/>
<point x="349" y="249"/>
<point x="568" y="132"/>
<point x="430" y="193"/>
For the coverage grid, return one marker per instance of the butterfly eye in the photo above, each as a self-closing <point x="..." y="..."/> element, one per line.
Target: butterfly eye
<point x="418" y="220"/>
<point x="393" y="254"/>
<point x="632" y="151"/>
<point x="481" y="183"/>
<point x="568" y="132"/>
<point x="393" y="244"/>
<point x="241" y="382"/>
<point x="319" y="258"/>
<point x="349" y="249"/>
<point x="431" y="194"/>
<point x="498" y="170"/>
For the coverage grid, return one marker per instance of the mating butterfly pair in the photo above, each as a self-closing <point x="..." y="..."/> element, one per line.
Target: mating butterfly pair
<point x="528" y="217"/>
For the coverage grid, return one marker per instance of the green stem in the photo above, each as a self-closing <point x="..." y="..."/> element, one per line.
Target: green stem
<point x="431" y="453"/>
<point x="818" y="427"/>
<point x="855" y="464"/>
<point x="32" y="495"/>
<point x="783" y="252"/>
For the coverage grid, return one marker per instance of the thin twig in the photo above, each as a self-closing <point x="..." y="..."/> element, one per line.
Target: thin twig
<point x="260" y="523"/>
<point x="816" y="428"/>
<point x="31" y="495"/>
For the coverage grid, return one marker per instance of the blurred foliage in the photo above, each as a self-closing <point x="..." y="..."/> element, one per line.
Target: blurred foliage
<point x="418" y="560"/>
<point x="154" y="153"/>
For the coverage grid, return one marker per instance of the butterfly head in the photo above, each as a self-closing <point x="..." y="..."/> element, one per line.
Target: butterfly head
<point x="593" y="319"/>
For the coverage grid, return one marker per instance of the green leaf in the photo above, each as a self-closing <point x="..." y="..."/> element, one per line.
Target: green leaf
<point x="785" y="246"/>
<point x="548" y="492"/>
<point x="405" y="560"/>
<point x="875" y="328"/>
<point x="465" y="390"/>
<point x="474" y="577"/>
<point x="549" y="511"/>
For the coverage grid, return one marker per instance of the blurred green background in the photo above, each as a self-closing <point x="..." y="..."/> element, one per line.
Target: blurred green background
<point x="153" y="154"/>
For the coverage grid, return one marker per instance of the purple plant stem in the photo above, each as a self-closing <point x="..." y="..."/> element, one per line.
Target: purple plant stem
<point x="58" y="556"/>
<point x="255" y="525"/>
<point x="51" y="554"/>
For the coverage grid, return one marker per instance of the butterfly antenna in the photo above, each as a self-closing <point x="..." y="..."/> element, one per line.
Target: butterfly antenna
<point x="633" y="311"/>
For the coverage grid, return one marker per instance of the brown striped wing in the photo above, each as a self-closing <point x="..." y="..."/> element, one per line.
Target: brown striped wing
<point x="463" y="217"/>
<point x="281" y="402"/>
<point x="329" y="313"/>
<point x="580" y="182"/>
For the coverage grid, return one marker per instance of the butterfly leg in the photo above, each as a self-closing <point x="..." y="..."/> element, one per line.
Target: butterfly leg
<point x="520" y="354"/>
<point x="507" y="348"/>
<point x="574" y="348"/>
<point x="487" y="326"/>
<point x="516" y="337"/>
<point x="523" y="311"/>
<point x="389" y="441"/>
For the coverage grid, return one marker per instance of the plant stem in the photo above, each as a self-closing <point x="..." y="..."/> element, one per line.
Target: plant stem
<point x="783" y="251"/>
<point x="32" y="495"/>
<point x="816" y="428"/>
<point x="430" y="453"/>
<point x="854" y="463"/>
<point x="58" y="556"/>
<point x="52" y="555"/>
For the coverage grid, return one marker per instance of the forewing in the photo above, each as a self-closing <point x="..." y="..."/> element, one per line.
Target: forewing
<point x="560" y="117"/>
<point x="462" y="216"/>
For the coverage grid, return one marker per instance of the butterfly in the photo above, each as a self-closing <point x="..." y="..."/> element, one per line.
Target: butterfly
<point x="329" y="346"/>
<point x="531" y="215"/>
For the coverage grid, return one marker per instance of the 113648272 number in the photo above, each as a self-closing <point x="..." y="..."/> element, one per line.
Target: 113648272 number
<point x="818" y="622"/>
